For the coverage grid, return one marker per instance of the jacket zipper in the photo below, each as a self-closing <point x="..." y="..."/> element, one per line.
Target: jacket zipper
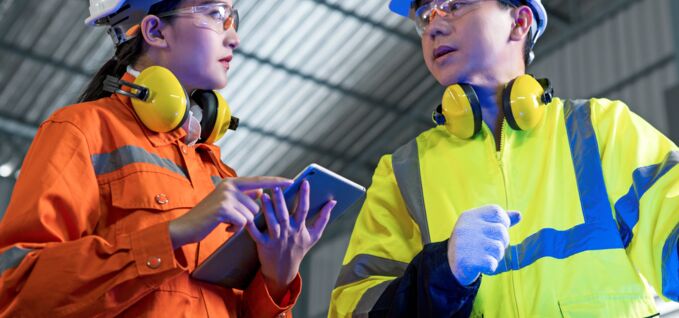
<point x="499" y="156"/>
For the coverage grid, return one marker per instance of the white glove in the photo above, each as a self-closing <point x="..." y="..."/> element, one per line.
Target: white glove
<point x="478" y="241"/>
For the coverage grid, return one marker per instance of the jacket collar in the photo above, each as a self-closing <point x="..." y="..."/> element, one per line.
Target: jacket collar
<point x="157" y="139"/>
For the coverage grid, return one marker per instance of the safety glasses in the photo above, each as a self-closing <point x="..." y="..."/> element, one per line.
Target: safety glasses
<point x="447" y="9"/>
<point x="216" y="16"/>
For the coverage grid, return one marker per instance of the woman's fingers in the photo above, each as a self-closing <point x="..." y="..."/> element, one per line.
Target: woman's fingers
<point x="254" y="194"/>
<point x="281" y="208"/>
<point x="302" y="206"/>
<point x="255" y="233"/>
<point x="318" y="226"/>
<point x="274" y="228"/>
<point x="235" y="219"/>
<point x="248" y="202"/>
<point x="254" y="183"/>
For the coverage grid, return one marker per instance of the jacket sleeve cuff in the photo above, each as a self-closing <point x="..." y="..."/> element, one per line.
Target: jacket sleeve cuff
<point x="152" y="250"/>
<point x="436" y="255"/>
<point x="259" y="299"/>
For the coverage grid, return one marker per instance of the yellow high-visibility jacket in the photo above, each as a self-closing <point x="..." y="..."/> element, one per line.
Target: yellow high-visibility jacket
<point x="599" y="195"/>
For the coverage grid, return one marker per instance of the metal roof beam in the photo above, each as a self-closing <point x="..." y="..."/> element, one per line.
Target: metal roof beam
<point x="45" y="59"/>
<point x="365" y="20"/>
<point x="577" y="29"/>
<point x="373" y="102"/>
<point x="557" y="18"/>
<point x="17" y="127"/>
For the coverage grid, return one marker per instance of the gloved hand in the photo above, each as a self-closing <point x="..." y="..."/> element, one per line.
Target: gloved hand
<point x="478" y="241"/>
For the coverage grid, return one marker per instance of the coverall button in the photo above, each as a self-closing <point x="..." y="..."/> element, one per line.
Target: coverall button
<point x="153" y="262"/>
<point x="185" y="149"/>
<point x="162" y="199"/>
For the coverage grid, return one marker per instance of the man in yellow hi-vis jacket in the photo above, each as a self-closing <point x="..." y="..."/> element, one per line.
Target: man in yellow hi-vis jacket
<point x="518" y="204"/>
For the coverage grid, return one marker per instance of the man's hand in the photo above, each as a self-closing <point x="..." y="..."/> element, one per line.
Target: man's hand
<point x="478" y="241"/>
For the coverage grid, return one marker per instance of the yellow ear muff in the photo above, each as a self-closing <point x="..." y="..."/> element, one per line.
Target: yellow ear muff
<point x="462" y="111"/>
<point x="224" y="120"/>
<point x="165" y="104"/>
<point x="523" y="101"/>
<point x="217" y="117"/>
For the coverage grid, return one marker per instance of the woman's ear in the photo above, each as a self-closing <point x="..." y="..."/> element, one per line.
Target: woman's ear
<point x="523" y="20"/>
<point x="152" y="30"/>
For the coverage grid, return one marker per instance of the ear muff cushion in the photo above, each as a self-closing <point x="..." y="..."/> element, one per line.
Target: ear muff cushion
<point x="166" y="107"/>
<point x="207" y="101"/>
<point x="475" y="105"/>
<point x="523" y="102"/>
<point x="462" y="111"/>
<point x="507" y="105"/>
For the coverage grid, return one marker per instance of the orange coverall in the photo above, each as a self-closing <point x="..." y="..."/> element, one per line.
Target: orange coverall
<point x="86" y="231"/>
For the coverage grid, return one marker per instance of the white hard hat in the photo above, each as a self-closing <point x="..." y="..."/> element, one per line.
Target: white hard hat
<point x="119" y="15"/>
<point x="402" y="7"/>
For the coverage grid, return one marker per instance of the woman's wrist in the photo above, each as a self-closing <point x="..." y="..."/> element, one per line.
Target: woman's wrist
<point x="176" y="234"/>
<point x="278" y="287"/>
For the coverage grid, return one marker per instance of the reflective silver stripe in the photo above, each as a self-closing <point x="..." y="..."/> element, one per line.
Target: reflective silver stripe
<point x="216" y="180"/>
<point x="363" y="266"/>
<point x="12" y="257"/>
<point x="369" y="299"/>
<point x="406" y="164"/>
<point x="112" y="161"/>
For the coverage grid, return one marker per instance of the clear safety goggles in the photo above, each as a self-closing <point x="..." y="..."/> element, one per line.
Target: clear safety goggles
<point x="447" y="9"/>
<point x="217" y="16"/>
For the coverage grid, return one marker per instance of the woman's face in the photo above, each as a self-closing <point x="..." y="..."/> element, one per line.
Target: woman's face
<point x="198" y="55"/>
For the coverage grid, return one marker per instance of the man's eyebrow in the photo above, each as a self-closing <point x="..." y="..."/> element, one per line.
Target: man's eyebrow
<point x="202" y="2"/>
<point x="419" y="3"/>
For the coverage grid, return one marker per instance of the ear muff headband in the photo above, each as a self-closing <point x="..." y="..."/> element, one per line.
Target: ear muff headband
<point x="462" y="111"/>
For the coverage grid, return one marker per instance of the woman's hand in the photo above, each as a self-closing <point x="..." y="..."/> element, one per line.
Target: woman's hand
<point x="287" y="239"/>
<point x="229" y="202"/>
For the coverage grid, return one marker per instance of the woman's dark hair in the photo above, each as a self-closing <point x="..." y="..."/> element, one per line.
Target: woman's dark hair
<point x="126" y="54"/>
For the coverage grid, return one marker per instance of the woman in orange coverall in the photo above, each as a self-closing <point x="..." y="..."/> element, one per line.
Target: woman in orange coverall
<point x="109" y="217"/>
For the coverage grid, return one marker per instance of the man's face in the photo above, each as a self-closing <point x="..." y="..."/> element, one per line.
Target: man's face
<point x="469" y="45"/>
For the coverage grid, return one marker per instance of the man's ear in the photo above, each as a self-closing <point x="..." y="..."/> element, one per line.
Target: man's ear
<point x="523" y="20"/>
<point x="152" y="30"/>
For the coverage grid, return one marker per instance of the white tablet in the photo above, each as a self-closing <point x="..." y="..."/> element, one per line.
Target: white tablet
<point x="235" y="263"/>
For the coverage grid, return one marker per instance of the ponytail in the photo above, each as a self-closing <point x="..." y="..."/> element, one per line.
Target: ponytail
<point x="126" y="54"/>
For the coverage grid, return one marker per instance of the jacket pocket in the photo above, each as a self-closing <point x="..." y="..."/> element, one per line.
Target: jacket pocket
<point x="607" y="305"/>
<point x="143" y="199"/>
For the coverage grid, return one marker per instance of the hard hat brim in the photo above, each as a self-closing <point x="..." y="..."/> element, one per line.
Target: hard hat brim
<point x="111" y="9"/>
<point x="400" y="7"/>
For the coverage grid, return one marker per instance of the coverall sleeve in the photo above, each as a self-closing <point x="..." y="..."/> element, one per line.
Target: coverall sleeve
<point x="643" y="184"/>
<point x="387" y="272"/>
<point x="259" y="303"/>
<point x="51" y="264"/>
